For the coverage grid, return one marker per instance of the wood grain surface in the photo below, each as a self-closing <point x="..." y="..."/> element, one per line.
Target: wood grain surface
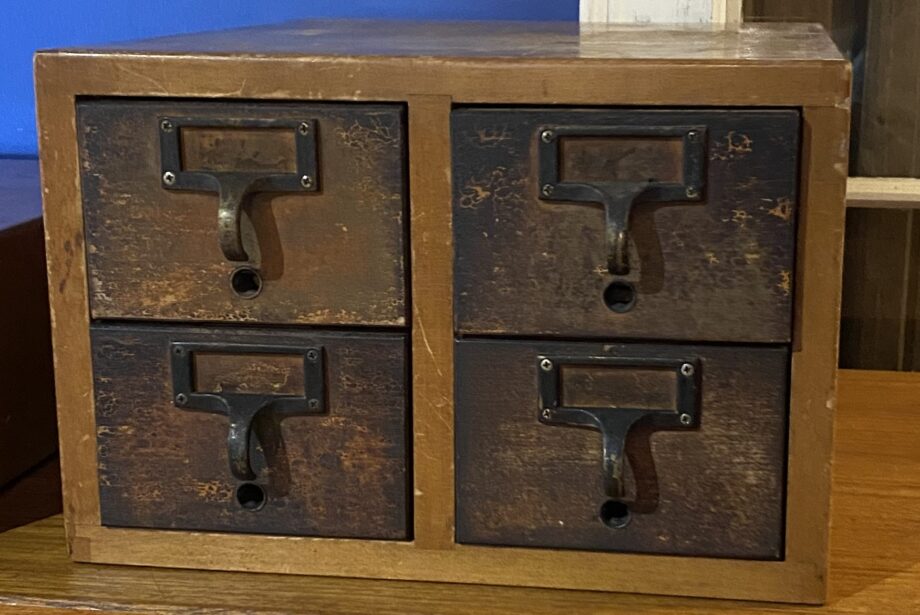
<point x="715" y="491"/>
<point x="563" y="40"/>
<point x="888" y="141"/>
<point x="340" y="473"/>
<point x="877" y="270"/>
<point x="720" y="269"/>
<point x="432" y="322"/>
<point x="875" y="566"/>
<point x="330" y="257"/>
<point x="816" y="333"/>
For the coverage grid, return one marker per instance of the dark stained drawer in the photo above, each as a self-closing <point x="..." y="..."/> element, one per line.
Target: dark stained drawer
<point x="704" y="465"/>
<point x="226" y="211"/>
<point x="545" y="243"/>
<point x="327" y="449"/>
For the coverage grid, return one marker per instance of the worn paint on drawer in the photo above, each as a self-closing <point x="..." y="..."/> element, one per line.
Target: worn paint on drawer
<point x="717" y="266"/>
<point x="715" y="489"/>
<point x="333" y="254"/>
<point x="342" y="471"/>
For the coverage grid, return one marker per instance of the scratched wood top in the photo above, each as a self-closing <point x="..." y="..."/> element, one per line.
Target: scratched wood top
<point x="875" y="549"/>
<point x="765" y="42"/>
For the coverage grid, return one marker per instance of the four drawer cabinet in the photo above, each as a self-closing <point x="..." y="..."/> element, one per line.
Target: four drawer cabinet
<point x="549" y="305"/>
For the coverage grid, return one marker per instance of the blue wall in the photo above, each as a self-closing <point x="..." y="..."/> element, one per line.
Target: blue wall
<point x="27" y="25"/>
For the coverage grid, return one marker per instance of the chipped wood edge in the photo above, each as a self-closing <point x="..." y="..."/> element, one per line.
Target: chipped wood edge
<point x="588" y="81"/>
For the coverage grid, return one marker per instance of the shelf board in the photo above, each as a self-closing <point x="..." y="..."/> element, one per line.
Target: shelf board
<point x="883" y="192"/>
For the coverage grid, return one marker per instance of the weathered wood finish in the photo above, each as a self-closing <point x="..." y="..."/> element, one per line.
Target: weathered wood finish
<point x="506" y="39"/>
<point x="340" y="473"/>
<point x="713" y="491"/>
<point x="432" y="322"/>
<point x="330" y="257"/>
<point x="717" y="270"/>
<point x="766" y="66"/>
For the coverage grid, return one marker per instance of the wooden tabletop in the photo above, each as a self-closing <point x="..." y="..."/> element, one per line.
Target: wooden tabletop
<point x="875" y="548"/>
<point x="755" y="42"/>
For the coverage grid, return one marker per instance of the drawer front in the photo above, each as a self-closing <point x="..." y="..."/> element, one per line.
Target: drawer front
<point x="268" y="212"/>
<point x="530" y="444"/>
<point x="624" y="223"/>
<point x="270" y="432"/>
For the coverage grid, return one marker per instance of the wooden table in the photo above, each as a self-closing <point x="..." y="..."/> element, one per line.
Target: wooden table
<point x="875" y="548"/>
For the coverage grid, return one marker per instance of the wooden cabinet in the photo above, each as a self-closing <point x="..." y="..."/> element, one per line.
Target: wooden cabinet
<point x="548" y="305"/>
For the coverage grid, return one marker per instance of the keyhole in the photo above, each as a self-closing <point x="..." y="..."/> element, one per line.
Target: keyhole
<point x="250" y="496"/>
<point x="620" y="296"/>
<point x="246" y="282"/>
<point x="615" y="514"/>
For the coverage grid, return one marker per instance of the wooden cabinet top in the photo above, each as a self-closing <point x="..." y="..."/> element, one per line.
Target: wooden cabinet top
<point x="556" y="41"/>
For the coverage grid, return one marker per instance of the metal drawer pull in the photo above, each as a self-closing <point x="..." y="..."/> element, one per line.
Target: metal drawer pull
<point x="614" y="422"/>
<point x="242" y="408"/>
<point x="618" y="197"/>
<point x="235" y="186"/>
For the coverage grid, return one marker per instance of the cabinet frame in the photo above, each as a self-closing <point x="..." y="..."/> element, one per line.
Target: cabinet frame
<point x="814" y="82"/>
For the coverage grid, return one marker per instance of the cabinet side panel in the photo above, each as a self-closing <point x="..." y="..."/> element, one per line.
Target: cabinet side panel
<point x="64" y="247"/>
